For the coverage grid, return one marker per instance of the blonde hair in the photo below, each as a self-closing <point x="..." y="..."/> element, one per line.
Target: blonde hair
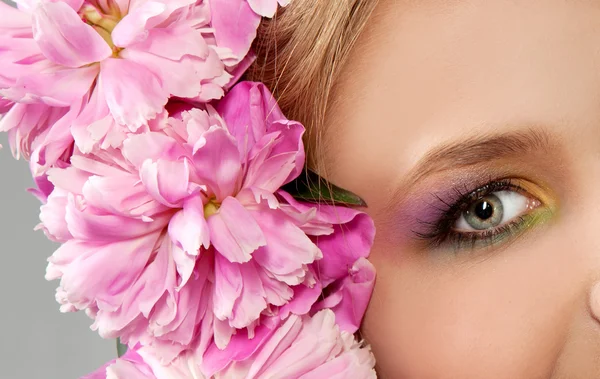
<point x="301" y="53"/>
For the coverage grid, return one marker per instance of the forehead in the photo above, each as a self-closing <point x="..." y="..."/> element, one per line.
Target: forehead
<point x="429" y="71"/>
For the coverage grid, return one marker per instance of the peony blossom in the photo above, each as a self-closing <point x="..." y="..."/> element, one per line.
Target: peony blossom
<point x="344" y="272"/>
<point x="301" y="347"/>
<point x="41" y="134"/>
<point x="181" y="231"/>
<point x="305" y="347"/>
<point x="129" y="366"/>
<point x="112" y="65"/>
<point x="161" y="179"/>
<point x="345" y="237"/>
<point x="267" y="8"/>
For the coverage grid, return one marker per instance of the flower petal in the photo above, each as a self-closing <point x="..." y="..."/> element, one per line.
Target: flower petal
<point x="134" y="94"/>
<point x="228" y="287"/>
<point x="57" y="142"/>
<point x="56" y="86"/>
<point x="357" y="363"/>
<point x="235" y="26"/>
<point x="121" y="194"/>
<point x="100" y="274"/>
<point x="14" y="21"/>
<point x="234" y="233"/>
<point x="132" y="28"/>
<point x="346" y="245"/>
<point x="252" y="299"/>
<point x="289" y="142"/>
<point x="240" y="348"/>
<point x="142" y="17"/>
<point x="303" y="345"/>
<point x="154" y="282"/>
<point x="70" y="179"/>
<point x="349" y="298"/>
<point x="287" y="251"/>
<point x="303" y="300"/>
<point x="160" y="42"/>
<point x="64" y="38"/>
<point x="265" y="8"/>
<point x="154" y="146"/>
<point x="218" y="164"/>
<point x="27" y="126"/>
<point x="95" y="125"/>
<point x="129" y="368"/>
<point x="248" y="110"/>
<point x="269" y="172"/>
<point x="175" y="322"/>
<point x="85" y="225"/>
<point x="166" y="181"/>
<point x="52" y="216"/>
<point x="179" y="78"/>
<point x="352" y="237"/>
<point x="189" y="230"/>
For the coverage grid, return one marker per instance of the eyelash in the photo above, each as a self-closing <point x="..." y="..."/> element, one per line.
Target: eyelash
<point x="441" y="233"/>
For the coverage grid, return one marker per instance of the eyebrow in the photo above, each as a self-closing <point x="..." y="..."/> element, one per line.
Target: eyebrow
<point x="480" y="149"/>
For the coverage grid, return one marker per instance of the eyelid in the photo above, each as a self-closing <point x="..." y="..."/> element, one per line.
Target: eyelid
<point x="503" y="184"/>
<point x="528" y="203"/>
<point x="520" y="185"/>
<point x="440" y="234"/>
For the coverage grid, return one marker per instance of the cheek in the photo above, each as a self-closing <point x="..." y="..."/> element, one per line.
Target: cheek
<point x="504" y="315"/>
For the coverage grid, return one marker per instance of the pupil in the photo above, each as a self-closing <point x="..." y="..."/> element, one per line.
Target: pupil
<point x="484" y="210"/>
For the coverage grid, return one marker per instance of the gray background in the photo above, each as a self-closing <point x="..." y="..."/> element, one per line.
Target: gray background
<point x="36" y="340"/>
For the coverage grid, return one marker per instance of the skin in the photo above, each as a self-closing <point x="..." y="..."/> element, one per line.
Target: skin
<point x="430" y="73"/>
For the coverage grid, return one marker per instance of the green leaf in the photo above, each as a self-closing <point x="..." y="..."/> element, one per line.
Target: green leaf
<point x="121" y="349"/>
<point x="312" y="188"/>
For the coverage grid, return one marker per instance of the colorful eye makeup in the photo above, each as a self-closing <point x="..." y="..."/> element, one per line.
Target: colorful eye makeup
<point x="470" y="218"/>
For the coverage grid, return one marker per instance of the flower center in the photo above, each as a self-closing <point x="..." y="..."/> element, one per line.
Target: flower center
<point x="103" y="21"/>
<point x="211" y="208"/>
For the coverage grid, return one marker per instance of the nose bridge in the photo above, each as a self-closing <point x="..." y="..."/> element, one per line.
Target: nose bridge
<point x="594" y="300"/>
<point x="590" y="238"/>
<point x="592" y="244"/>
<point x="579" y="232"/>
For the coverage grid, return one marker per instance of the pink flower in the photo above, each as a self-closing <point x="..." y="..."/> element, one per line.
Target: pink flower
<point x="15" y="23"/>
<point x="5" y="106"/>
<point x="349" y="297"/>
<point x="345" y="237"/>
<point x="39" y="133"/>
<point x="129" y="366"/>
<point x="305" y="347"/>
<point x="267" y="8"/>
<point x="176" y="236"/>
<point x="301" y="347"/>
<point x="182" y="232"/>
<point x="344" y="270"/>
<point x="112" y="64"/>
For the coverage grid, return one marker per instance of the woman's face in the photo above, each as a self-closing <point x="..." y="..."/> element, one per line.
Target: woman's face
<point x="472" y="130"/>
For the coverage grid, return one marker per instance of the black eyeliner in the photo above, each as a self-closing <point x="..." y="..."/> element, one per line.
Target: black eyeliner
<point x="441" y="233"/>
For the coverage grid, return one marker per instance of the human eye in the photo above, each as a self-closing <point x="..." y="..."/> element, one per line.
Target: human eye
<point x="487" y="215"/>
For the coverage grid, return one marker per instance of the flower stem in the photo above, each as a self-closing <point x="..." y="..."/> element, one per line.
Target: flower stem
<point x="121" y="349"/>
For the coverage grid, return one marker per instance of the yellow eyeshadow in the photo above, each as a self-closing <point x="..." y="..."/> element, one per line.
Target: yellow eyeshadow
<point x="544" y="195"/>
<point x="539" y="215"/>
